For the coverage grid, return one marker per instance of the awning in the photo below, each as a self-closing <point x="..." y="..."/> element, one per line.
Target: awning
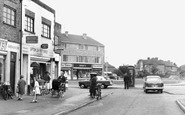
<point x="3" y="53"/>
<point x="81" y="68"/>
<point x="39" y="59"/>
<point x="65" y="68"/>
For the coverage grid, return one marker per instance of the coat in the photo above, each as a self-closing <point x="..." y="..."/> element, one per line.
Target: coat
<point x="21" y="86"/>
<point x="126" y="79"/>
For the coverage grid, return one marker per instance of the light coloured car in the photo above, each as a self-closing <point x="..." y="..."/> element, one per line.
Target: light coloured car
<point x="100" y="79"/>
<point x="153" y="83"/>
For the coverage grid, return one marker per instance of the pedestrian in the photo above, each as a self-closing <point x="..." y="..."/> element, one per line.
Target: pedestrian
<point x="47" y="79"/>
<point x="21" y="87"/>
<point x="36" y="90"/>
<point x="62" y="79"/>
<point x="93" y="83"/>
<point x="126" y="81"/>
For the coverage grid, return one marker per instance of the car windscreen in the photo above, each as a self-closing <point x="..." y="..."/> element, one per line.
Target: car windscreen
<point x="101" y="78"/>
<point x="153" y="79"/>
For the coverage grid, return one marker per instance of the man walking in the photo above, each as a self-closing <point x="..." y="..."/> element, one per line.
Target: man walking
<point x="126" y="81"/>
<point x="93" y="83"/>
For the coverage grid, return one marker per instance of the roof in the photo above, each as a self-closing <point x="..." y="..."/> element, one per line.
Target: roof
<point x="69" y="38"/>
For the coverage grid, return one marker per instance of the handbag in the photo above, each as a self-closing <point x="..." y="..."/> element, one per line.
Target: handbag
<point x="17" y="89"/>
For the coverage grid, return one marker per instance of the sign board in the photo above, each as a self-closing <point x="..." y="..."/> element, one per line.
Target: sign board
<point x="44" y="46"/>
<point x="31" y="39"/>
<point x="82" y="65"/>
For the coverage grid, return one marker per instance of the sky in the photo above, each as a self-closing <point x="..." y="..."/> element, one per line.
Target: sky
<point x="129" y="29"/>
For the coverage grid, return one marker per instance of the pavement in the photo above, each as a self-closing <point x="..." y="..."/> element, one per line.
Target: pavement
<point x="73" y="99"/>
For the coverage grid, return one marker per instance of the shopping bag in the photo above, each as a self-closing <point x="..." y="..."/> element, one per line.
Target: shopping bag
<point x="17" y="89"/>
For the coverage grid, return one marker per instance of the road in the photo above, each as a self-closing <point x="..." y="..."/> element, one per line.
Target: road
<point x="135" y="102"/>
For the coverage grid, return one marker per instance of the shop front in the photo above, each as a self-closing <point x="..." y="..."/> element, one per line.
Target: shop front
<point x="37" y="63"/>
<point x="81" y="70"/>
<point x="67" y="68"/>
<point x="98" y="69"/>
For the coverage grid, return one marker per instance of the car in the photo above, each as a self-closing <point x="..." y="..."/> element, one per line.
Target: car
<point x="153" y="83"/>
<point x="100" y="79"/>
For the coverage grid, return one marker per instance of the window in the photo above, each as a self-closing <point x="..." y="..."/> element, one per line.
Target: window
<point x="46" y="30"/>
<point x="98" y="48"/>
<point x="86" y="47"/>
<point x="29" y="24"/>
<point x="97" y="59"/>
<point x="81" y="46"/>
<point x="65" y="58"/>
<point x="9" y="15"/>
<point x="56" y="40"/>
<point x="81" y="59"/>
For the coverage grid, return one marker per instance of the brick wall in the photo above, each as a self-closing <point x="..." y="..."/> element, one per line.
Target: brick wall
<point x="11" y="33"/>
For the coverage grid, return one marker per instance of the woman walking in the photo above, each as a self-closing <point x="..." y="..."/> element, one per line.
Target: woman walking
<point x="37" y="90"/>
<point x="21" y="87"/>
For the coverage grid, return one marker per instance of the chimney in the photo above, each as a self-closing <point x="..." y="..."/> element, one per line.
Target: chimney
<point x="66" y="33"/>
<point x="84" y="36"/>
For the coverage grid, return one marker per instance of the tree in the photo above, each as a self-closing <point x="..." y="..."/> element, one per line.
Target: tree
<point x="123" y="70"/>
<point x="154" y="70"/>
<point x="117" y="71"/>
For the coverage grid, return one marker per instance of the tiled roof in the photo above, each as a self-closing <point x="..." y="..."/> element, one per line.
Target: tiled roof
<point x="69" y="38"/>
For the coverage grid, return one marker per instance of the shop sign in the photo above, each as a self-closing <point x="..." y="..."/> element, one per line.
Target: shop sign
<point x="44" y="46"/>
<point x="31" y="39"/>
<point x="83" y="65"/>
<point x="97" y="66"/>
<point x="3" y="44"/>
<point x="66" y="65"/>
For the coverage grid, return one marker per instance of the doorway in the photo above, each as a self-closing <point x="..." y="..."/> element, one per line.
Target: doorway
<point x="12" y="70"/>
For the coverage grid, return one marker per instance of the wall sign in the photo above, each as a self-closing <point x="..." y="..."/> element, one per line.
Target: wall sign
<point x="31" y="39"/>
<point x="44" y="46"/>
<point x="82" y="65"/>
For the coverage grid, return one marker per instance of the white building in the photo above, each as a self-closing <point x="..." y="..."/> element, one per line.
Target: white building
<point x="38" y="55"/>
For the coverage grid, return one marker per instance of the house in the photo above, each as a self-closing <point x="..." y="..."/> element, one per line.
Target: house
<point x="10" y="36"/>
<point x="80" y="55"/>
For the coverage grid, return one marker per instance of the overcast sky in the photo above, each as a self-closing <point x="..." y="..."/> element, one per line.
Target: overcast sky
<point x="129" y="29"/>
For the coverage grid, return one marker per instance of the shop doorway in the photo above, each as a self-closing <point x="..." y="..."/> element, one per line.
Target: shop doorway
<point x="12" y="70"/>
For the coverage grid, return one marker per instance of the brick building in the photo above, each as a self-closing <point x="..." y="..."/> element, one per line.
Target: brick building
<point x="80" y="54"/>
<point x="10" y="34"/>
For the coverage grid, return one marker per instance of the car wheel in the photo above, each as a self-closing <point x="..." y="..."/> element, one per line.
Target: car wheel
<point x="161" y="91"/>
<point x="82" y="86"/>
<point x="146" y="91"/>
<point x="103" y="86"/>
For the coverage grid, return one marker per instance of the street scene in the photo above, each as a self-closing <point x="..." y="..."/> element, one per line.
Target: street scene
<point x="85" y="57"/>
<point x="115" y="100"/>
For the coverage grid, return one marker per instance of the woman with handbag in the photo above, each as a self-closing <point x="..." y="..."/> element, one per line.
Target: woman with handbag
<point x="21" y="88"/>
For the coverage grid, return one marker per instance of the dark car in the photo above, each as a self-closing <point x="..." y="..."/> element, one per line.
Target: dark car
<point x="153" y="83"/>
<point x="100" y="79"/>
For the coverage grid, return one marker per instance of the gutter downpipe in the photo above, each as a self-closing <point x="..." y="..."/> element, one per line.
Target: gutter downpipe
<point x="21" y="35"/>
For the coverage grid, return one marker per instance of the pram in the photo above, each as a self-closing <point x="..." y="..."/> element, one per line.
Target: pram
<point x="42" y="87"/>
<point x="6" y="92"/>
<point x="98" y="91"/>
<point x="58" y="88"/>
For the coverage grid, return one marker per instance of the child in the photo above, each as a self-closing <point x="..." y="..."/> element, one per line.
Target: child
<point x="37" y="90"/>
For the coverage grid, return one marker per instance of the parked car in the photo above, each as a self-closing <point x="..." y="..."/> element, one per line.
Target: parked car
<point x="100" y="79"/>
<point x="153" y="82"/>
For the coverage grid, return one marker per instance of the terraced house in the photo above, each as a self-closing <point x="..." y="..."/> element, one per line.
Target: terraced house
<point x="27" y="41"/>
<point x="38" y="56"/>
<point x="10" y="36"/>
<point x="80" y="54"/>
